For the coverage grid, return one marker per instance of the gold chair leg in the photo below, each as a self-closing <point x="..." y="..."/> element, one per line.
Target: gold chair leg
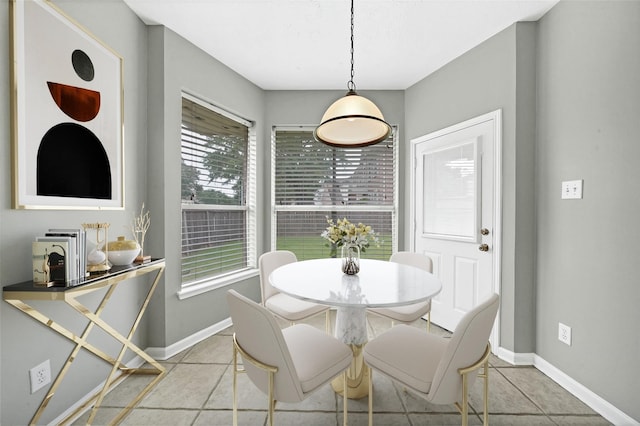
<point x="485" y="417"/>
<point x="465" y="403"/>
<point x="235" y="386"/>
<point x="344" y="397"/>
<point x="370" y="396"/>
<point x="429" y="322"/>
<point x="272" y="403"/>
<point x="271" y="370"/>
<point x="483" y="363"/>
<point x="327" y="322"/>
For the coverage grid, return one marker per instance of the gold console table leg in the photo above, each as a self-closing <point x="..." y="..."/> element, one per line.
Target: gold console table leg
<point x="126" y="344"/>
<point x="70" y="298"/>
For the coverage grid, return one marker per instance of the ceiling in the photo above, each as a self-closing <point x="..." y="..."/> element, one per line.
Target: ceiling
<point x="305" y="44"/>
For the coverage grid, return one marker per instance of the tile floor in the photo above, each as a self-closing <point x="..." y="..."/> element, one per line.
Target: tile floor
<point x="197" y="391"/>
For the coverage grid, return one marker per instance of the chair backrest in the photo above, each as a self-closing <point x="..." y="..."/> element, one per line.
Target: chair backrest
<point x="468" y="343"/>
<point x="418" y="260"/>
<point x="267" y="263"/>
<point x="260" y="336"/>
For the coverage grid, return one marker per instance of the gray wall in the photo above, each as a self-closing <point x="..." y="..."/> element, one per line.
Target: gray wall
<point x="26" y="343"/>
<point x="570" y="261"/>
<point x="176" y="65"/>
<point x="494" y="76"/>
<point x="587" y="252"/>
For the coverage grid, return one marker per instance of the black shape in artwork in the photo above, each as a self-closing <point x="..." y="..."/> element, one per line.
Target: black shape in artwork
<point x="73" y="163"/>
<point x="82" y="65"/>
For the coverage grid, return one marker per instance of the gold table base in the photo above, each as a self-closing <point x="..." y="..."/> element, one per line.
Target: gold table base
<point x="357" y="376"/>
<point x="119" y="370"/>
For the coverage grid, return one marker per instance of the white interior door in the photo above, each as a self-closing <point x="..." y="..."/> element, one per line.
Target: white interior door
<point x="455" y="206"/>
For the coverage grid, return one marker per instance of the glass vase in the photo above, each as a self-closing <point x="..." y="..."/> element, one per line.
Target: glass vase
<point x="350" y="259"/>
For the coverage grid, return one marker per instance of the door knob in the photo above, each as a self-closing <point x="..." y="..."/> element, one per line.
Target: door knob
<point x="484" y="231"/>
<point x="483" y="247"/>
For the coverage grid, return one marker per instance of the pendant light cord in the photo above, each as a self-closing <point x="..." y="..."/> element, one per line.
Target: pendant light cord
<point x="351" y="85"/>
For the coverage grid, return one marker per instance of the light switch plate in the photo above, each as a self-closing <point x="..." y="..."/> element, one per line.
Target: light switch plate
<point x="572" y="189"/>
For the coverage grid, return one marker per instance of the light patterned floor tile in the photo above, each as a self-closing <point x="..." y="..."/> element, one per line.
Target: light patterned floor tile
<point x="544" y="392"/>
<point x="198" y="387"/>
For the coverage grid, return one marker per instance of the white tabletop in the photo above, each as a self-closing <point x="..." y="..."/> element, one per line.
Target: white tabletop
<point x="378" y="284"/>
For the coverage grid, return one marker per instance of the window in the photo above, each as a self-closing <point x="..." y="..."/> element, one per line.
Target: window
<point x="312" y="181"/>
<point x="218" y="193"/>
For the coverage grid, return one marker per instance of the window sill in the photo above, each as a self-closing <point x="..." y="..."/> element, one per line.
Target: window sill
<point x="195" y="289"/>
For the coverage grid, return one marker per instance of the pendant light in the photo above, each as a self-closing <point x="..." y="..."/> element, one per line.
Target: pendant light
<point x="352" y="121"/>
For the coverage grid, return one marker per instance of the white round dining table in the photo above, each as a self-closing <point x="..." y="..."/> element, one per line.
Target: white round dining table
<point x="378" y="284"/>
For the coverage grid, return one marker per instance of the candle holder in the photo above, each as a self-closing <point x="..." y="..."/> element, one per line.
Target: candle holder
<point x="98" y="257"/>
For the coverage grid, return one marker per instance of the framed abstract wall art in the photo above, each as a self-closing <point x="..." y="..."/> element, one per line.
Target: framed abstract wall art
<point x="67" y="113"/>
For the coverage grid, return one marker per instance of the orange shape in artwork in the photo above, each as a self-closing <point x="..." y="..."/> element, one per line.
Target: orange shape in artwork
<point x="79" y="104"/>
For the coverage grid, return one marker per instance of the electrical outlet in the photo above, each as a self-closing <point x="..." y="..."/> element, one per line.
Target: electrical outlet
<point x="40" y="376"/>
<point x="572" y="189"/>
<point x="564" y="333"/>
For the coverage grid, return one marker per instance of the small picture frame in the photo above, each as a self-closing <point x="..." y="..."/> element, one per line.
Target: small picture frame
<point x="67" y="113"/>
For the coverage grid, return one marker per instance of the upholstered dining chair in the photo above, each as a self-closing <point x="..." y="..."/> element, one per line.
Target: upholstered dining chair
<point x="282" y="305"/>
<point x="408" y="313"/>
<point x="286" y="364"/>
<point x="438" y="369"/>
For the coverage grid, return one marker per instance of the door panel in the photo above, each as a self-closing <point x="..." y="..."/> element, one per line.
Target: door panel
<point x="453" y="189"/>
<point x="465" y="282"/>
<point x="450" y="189"/>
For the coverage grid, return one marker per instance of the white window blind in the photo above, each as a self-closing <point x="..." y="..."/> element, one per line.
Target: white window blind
<point x="313" y="182"/>
<point x="217" y="219"/>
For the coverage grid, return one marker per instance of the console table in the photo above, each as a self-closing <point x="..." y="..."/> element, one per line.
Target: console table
<point x="17" y="294"/>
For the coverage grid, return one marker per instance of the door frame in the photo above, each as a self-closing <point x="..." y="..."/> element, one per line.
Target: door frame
<point x="496" y="116"/>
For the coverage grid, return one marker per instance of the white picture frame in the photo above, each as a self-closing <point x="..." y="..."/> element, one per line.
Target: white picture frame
<point x="67" y="113"/>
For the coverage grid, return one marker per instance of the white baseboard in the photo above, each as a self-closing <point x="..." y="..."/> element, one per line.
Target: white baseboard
<point x="514" y="358"/>
<point x="598" y="404"/>
<point x="162" y="354"/>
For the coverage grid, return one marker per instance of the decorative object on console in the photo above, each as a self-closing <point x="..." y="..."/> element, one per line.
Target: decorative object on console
<point x="353" y="239"/>
<point x="79" y="249"/>
<point x="139" y="229"/>
<point x="73" y="160"/>
<point x="62" y="255"/>
<point x="50" y="263"/>
<point x="98" y="259"/>
<point x="122" y="252"/>
<point x="41" y="269"/>
<point x="59" y="257"/>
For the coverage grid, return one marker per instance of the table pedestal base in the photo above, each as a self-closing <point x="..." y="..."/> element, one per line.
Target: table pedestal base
<point x="351" y="328"/>
<point x="357" y="376"/>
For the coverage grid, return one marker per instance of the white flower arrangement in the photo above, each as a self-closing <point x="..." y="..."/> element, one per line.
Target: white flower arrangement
<point x="341" y="232"/>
